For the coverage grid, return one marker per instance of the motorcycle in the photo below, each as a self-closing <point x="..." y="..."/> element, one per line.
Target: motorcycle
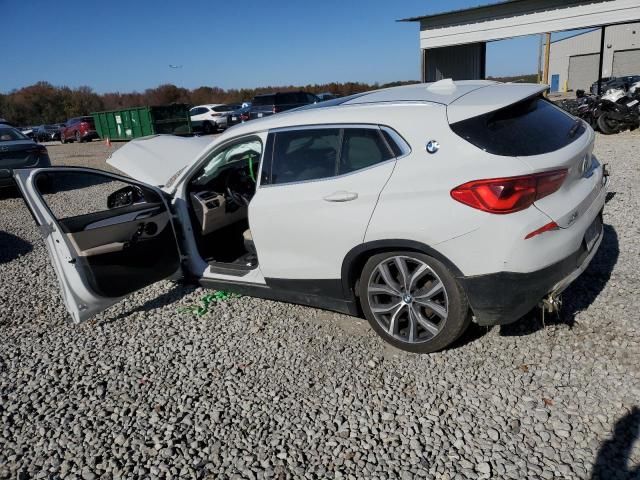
<point x="619" y="110"/>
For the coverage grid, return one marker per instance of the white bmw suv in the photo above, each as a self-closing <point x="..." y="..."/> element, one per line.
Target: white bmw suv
<point x="422" y="207"/>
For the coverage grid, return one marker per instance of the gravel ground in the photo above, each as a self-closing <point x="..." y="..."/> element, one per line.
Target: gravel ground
<point x="259" y="389"/>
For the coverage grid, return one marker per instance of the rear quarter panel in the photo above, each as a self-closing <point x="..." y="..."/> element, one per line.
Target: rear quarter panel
<point x="416" y="203"/>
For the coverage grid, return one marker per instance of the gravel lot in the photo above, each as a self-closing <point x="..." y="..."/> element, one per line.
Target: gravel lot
<point x="259" y="389"/>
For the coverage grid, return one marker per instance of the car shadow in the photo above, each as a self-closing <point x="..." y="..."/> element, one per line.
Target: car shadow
<point x="612" y="460"/>
<point x="12" y="247"/>
<point x="173" y="295"/>
<point x="579" y="295"/>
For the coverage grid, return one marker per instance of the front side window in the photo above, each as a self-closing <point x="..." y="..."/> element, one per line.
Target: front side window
<point x="301" y="155"/>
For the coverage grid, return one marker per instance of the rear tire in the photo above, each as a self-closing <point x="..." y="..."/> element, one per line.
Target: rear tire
<point x="62" y="140"/>
<point x="207" y="129"/>
<point x="412" y="301"/>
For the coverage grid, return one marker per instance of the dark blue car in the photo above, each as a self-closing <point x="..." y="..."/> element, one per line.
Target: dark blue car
<point x="18" y="151"/>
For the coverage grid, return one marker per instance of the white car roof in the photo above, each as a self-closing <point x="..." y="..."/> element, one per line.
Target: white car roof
<point x="463" y="99"/>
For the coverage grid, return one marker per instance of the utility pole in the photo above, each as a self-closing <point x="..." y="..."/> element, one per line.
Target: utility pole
<point x="539" y="71"/>
<point x="547" y="52"/>
<point x="602" y="34"/>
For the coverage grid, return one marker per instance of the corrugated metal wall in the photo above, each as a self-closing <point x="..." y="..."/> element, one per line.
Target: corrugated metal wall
<point x="460" y="62"/>
<point x="626" y="62"/>
<point x="618" y="37"/>
<point x="583" y="71"/>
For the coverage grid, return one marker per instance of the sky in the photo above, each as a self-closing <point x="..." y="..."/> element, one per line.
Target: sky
<point x="128" y="45"/>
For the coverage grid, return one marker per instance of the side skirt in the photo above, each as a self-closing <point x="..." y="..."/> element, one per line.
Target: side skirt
<point x="300" y="292"/>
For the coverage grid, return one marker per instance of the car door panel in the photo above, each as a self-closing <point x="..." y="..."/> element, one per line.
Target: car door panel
<point x="300" y="232"/>
<point x="102" y="256"/>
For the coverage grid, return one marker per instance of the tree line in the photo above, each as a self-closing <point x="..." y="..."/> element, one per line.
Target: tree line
<point x="44" y="103"/>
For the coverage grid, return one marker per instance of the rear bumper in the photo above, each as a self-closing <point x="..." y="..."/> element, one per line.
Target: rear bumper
<point x="90" y="134"/>
<point x="503" y="297"/>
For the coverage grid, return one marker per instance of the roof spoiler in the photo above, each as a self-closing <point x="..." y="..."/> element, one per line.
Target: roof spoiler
<point x="491" y="97"/>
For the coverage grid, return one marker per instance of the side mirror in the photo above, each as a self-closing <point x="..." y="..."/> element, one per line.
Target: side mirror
<point x="125" y="197"/>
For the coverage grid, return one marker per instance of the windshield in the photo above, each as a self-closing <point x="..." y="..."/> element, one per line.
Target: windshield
<point x="11" y="134"/>
<point x="532" y="126"/>
<point x="250" y="150"/>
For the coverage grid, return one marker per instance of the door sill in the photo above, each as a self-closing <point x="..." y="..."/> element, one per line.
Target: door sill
<point x="238" y="268"/>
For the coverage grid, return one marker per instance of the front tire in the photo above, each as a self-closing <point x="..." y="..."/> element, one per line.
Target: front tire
<point x="78" y="137"/>
<point x="207" y="129"/>
<point x="607" y="125"/>
<point x="412" y="301"/>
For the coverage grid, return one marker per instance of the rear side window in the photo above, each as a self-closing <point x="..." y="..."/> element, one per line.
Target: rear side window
<point x="362" y="148"/>
<point x="301" y="155"/>
<point x="530" y="127"/>
<point x="317" y="153"/>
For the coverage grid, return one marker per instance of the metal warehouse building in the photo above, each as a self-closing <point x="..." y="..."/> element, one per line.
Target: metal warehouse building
<point x="453" y="44"/>
<point x="574" y="61"/>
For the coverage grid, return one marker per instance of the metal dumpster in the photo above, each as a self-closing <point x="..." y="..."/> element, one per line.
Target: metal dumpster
<point x="142" y="121"/>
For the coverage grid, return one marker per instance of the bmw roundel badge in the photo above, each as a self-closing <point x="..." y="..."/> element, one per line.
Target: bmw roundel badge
<point x="433" y="146"/>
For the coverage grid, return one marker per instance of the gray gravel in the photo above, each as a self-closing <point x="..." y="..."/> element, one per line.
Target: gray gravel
<point x="258" y="389"/>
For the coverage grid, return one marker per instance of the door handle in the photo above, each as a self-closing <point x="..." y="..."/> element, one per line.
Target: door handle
<point x="341" y="196"/>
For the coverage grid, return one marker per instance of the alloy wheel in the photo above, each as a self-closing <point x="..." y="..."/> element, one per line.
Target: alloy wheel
<point x="408" y="299"/>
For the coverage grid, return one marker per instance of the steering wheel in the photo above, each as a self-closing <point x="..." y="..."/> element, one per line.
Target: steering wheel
<point x="240" y="187"/>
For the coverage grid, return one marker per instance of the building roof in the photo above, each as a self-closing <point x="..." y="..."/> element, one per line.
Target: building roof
<point x="449" y="12"/>
<point x="514" y="18"/>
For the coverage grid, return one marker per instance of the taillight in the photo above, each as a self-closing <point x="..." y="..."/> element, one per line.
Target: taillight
<point x="215" y="114"/>
<point x="244" y="117"/>
<point x="274" y="109"/>
<point x="510" y="194"/>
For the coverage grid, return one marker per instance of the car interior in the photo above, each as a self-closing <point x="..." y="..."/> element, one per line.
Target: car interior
<point x="219" y="194"/>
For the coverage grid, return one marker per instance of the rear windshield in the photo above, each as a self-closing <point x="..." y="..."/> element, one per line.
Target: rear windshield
<point x="264" y="100"/>
<point x="10" y="134"/>
<point x="533" y="126"/>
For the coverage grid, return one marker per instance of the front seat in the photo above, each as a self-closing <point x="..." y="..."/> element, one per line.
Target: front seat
<point x="248" y="241"/>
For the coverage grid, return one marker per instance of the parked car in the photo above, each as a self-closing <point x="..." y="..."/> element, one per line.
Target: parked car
<point x="350" y="205"/>
<point x="322" y="97"/>
<point x="210" y="118"/>
<point x="19" y="151"/>
<point x="46" y="133"/>
<point x="79" y="129"/>
<point x="264" y="105"/>
<point x="28" y="131"/>
<point x="240" y="115"/>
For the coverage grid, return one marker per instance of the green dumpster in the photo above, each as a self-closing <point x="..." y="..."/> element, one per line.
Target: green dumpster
<point x="137" y="122"/>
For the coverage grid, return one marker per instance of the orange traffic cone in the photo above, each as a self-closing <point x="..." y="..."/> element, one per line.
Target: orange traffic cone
<point x="108" y="142"/>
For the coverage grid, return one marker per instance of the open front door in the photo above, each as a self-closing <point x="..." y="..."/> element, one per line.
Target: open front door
<point x="107" y="235"/>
